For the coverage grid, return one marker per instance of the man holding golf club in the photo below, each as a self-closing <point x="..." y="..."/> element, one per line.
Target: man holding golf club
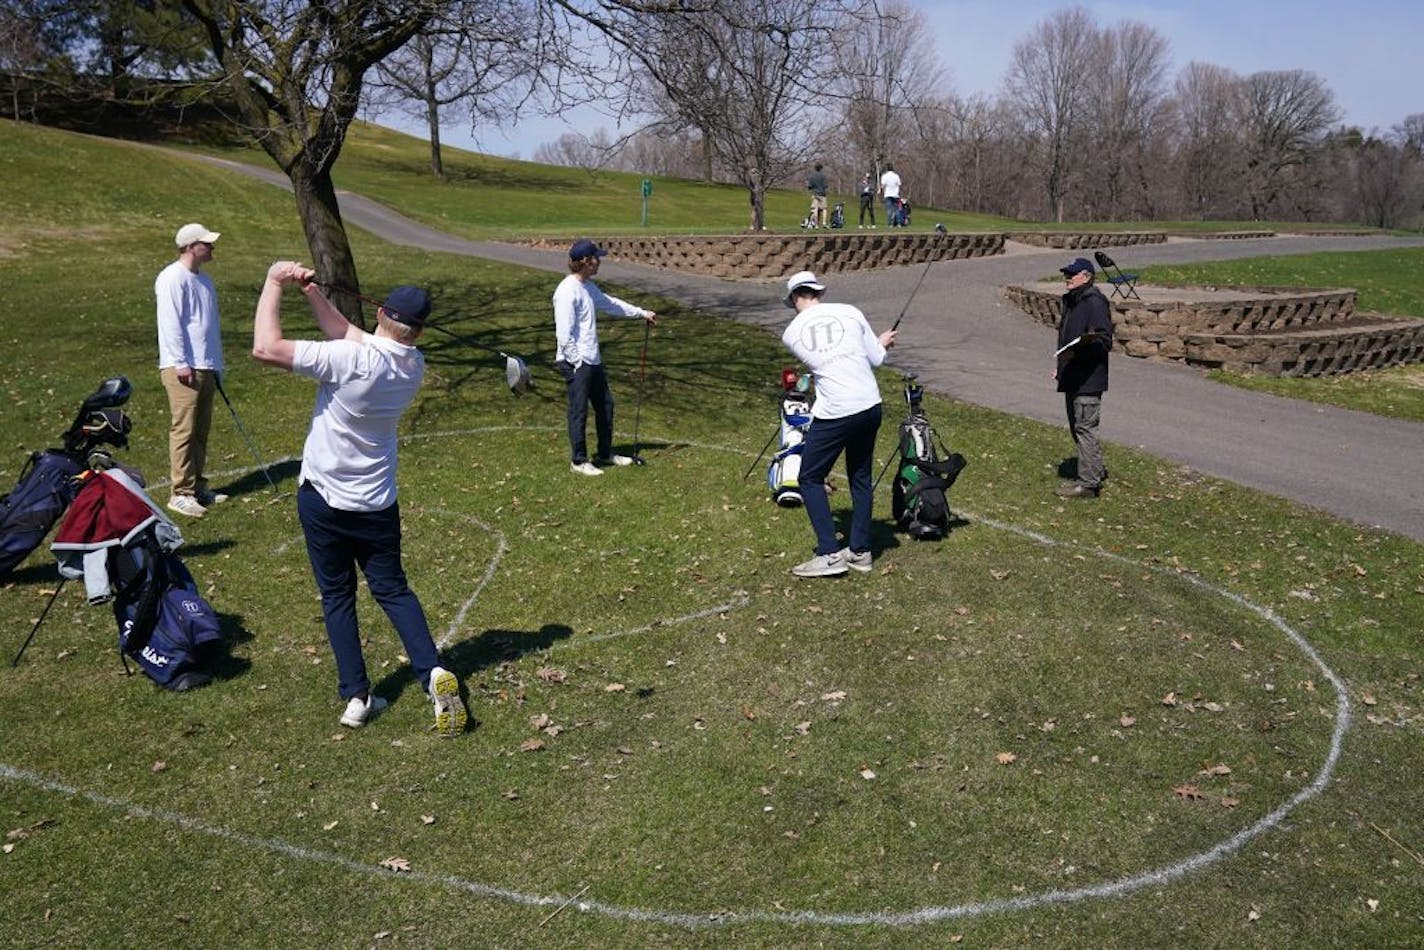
<point x="841" y="350"/>
<point x="189" y="360"/>
<point x="346" y="499"/>
<point x="1084" y="340"/>
<point x="577" y="301"/>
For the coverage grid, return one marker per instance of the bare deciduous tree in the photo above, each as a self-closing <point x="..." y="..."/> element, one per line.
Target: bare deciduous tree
<point x="1128" y="106"/>
<point x="476" y="58"/>
<point x="295" y="70"/>
<point x="1210" y="151"/>
<point x="1050" y="78"/>
<point x="1286" y="113"/>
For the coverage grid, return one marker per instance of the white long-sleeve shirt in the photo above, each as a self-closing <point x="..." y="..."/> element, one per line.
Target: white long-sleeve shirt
<point x="576" y="322"/>
<point x="836" y="343"/>
<point x="188" y="332"/>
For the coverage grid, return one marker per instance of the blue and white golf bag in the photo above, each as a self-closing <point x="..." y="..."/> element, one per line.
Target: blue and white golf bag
<point x="783" y="474"/>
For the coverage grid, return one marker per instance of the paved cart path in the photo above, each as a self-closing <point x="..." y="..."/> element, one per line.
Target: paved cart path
<point x="965" y="340"/>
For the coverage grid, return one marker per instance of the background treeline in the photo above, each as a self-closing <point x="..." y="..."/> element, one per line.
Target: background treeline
<point x="1092" y="121"/>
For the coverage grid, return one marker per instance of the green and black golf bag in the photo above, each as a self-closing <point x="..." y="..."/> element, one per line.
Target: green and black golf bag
<point x="919" y="495"/>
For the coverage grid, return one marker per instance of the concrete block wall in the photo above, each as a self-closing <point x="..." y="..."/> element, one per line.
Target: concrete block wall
<point x="776" y="255"/>
<point x="1295" y="334"/>
<point x="1086" y="240"/>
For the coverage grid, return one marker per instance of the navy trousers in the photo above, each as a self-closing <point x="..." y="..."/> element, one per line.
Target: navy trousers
<point x="825" y="440"/>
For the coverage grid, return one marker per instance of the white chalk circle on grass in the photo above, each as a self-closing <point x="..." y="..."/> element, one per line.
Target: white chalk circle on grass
<point x="906" y="918"/>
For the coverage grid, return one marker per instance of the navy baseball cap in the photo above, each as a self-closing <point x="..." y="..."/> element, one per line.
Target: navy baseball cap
<point x="585" y="248"/>
<point x="1078" y="265"/>
<point x="408" y="305"/>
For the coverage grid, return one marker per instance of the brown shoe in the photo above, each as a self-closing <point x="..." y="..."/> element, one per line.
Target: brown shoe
<point x="1077" y="491"/>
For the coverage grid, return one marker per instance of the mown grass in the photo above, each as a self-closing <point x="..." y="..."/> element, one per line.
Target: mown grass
<point x="718" y="738"/>
<point x="1386" y="281"/>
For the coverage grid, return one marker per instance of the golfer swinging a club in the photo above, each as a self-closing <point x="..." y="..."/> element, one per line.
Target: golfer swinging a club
<point x="346" y="499"/>
<point x="576" y="302"/>
<point x="837" y="345"/>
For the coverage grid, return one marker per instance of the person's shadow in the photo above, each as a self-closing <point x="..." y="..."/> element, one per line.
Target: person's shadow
<point x="468" y="657"/>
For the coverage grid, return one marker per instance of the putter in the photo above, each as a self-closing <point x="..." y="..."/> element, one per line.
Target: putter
<point x="638" y="406"/>
<point x="516" y="371"/>
<point x="923" y="274"/>
<point x="217" y="377"/>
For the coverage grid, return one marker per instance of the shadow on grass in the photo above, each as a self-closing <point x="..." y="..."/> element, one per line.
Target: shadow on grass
<point x="255" y="481"/>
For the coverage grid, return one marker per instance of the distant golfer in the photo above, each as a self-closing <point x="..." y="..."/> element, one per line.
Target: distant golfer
<point x="1082" y="372"/>
<point x="189" y="359"/>
<point x="576" y="302"/>
<point x="841" y="350"/>
<point x="346" y="499"/>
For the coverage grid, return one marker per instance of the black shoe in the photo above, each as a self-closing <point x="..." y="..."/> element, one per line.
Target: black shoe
<point x="1077" y="491"/>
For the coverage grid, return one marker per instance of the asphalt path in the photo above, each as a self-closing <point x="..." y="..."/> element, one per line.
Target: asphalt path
<point x="965" y="340"/>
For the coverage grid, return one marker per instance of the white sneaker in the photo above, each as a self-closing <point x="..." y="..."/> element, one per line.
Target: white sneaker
<point x="207" y="498"/>
<point x="361" y="711"/>
<point x="450" y="715"/>
<point x="856" y="561"/>
<point x="585" y="468"/>
<point x="186" y="505"/>
<point x="822" y="565"/>
<point x="614" y="459"/>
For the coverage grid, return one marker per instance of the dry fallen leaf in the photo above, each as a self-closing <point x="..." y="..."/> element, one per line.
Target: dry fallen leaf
<point x="1368" y="698"/>
<point x="1254" y="914"/>
<point x="1219" y="769"/>
<point x="550" y="674"/>
<point x="509" y="795"/>
<point x="1006" y="758"/>
<point x="1228" y="802"/>
<point x="1189" y="792"/>
<point x="396" y="864"/>
<point x="1169" y="700"/>
<point x="160" y="766"/>
<point x="1127" y="721"/>
<point x="614" y="688"/>
<point x="1372" y="904"/>
<point x="998" y="575"/>
<point x="330" y="825"/>
<point x="531" y="745"/>
<point x="540" y="721"/>
<point x="803" y="728"/>
<point x="427" y="819"/>
<point x="835" y="696"/>
<point x="8" y="847"/>
<point x="867" y="774"/>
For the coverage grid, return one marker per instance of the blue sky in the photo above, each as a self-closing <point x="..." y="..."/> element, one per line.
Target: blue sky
<point x="1367" y="51"/>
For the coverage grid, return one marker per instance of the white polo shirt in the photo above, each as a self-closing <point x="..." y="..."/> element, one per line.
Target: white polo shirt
<point x="350" y="452"/>
<point x="576" y="303"/>
<point x="836" y="343"/>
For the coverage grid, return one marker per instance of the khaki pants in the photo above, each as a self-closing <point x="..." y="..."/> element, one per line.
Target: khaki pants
<point x="192" y="411"/>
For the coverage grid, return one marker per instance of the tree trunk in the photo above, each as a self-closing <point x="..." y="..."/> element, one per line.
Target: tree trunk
<point x="326" y="236"/>
<point x="432" y="119"/>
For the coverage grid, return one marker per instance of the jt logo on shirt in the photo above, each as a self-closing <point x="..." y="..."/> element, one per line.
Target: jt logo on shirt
<point x="822" y="335"/>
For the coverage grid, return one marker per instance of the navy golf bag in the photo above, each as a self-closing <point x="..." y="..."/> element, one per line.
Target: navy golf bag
<point x="783" y="474"/>
<point x="121" y="544"/>
<point x="919" y="495"/>
<point x="838" y="215"/>
<point x="49" y="480"/>
<point x="46" y="487"/>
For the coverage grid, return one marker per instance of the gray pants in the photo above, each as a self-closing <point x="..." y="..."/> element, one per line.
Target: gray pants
<point x="1084" y="412"/>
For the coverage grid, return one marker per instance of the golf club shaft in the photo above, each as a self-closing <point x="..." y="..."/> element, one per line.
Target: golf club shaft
<point x="642" y="378"/>
<point x="923" y="274"/>
<point x="883" y="469"/>
<point x="365" y="298"/>
<point x="245" y="437"/>
<point x="774" y="433"/>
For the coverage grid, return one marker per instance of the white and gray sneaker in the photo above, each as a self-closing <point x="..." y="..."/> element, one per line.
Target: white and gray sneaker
<point x="822" y="565"/>
<point x="361" y="711"/>
<point x="207" y="497"/>
<point x="585" y="468"/>
<point x="187" y="505"/>
<point x="856" y="560"/>
<point x="614" y="459"/>
<point x="450" y="715"/>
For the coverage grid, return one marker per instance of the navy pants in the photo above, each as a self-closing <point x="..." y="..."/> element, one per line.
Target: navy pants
<point x="338" y="542"/>
<point x="588" y="385"/>
<point x="825" y="440"/>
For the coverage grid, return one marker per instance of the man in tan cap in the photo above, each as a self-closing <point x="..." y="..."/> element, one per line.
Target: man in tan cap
<point x="189" y="359"/>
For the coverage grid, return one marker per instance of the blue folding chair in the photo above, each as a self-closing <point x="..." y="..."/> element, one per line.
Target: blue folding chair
<point x="1123" y="285"/>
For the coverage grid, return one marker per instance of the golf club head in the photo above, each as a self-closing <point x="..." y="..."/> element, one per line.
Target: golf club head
<point x="114" y="391"/>
<point x="638" y="460"/>
<point x="516" y="374"/>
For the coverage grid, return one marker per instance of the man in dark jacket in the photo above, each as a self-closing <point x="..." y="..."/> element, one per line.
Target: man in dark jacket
<point x="818" y="186"/>
<point x="1084" y="339"/>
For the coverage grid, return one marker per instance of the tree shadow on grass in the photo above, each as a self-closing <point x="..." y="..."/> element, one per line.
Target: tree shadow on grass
<point x="255" y="481"/>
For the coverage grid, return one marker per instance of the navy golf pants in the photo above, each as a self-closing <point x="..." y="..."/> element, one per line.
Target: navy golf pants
<point x="588" y="384"/>
<point x="338" y="542"/>
<point x="825" y="440"/>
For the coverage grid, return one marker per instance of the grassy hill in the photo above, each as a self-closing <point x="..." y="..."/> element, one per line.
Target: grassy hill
<point x="1067" y="726"/>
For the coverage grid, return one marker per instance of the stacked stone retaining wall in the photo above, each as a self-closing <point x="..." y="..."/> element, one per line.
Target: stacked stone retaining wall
<point x="776" y="255"/>
<point x="1079" y="240"/>
<point x="1264" y="330"/>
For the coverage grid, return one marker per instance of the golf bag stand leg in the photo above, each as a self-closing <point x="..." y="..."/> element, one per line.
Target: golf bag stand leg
<point x="35" y="629"/>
